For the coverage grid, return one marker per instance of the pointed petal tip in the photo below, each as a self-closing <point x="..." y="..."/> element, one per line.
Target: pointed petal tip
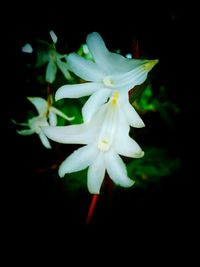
<point x="53" y="36"/>
<point x="29" y="98"/>
<point x="27" y="48"/>
<point x="139" y="124"/>
<point x="139" y="154"/>
<point x="131" y="183"/>
<point x="61" y="173"/>
<point x="94" y="192"/>
<point x="58" y="95"/>
<point x="13" y="121"/>
<point x="71" y="118"/>
<point x="128" y="183"/>
<point x="150" y="64"/>
<point x="94" y="35"/>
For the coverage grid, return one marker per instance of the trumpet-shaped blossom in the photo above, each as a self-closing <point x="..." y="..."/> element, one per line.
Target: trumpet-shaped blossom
<point x="54" y="63"/>
<point x="109" y="72"/>
<point x="47" y="54"/>
<point x="47" y="116"/>
<point x="106" y="136"/>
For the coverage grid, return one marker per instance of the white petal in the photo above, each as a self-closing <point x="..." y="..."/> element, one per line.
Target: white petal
<point x="129" y="55"/>
<point x="123" y="124"/>
<point x="96" y="173"/>
<point x="126" y="146"/>
<point x="122" y="64"/>
<point x="20" y="123"/>
<point x="53" y="37"/>
<point x="110" y="62"/>
<point x="26" y="132"/>
<point x="64" y="69"/>
<point x="52" y="118"/>
<point x="85" y="49"/>
<point x="40" y="104"/>
<point x="27" y="48"/>
<point x="73" y="134"/>
<point x="94" y="102"/>
<point x="132" y="116"/>
<point x="85" y="69"/>
<point x="96" y="46"/>
<point x="77" y="90"/>
<point x="130" y="79"/>
<point x="117" y="64"/>
<point x="117" y="169"/>
<point x="51" y="71"/>
<point x="134" y="77"/>
<point x="61" y="114"/>
<point x="44" y="140"/>
<point x="78" y="160"/>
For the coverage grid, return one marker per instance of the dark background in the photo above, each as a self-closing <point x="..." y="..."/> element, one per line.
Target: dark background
<point x="163" y="214"/>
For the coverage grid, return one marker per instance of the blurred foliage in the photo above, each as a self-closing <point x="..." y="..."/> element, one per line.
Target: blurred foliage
<point x="156" y="164"/>
<point x="75" y="182"/>
<point x="144" y="100"/>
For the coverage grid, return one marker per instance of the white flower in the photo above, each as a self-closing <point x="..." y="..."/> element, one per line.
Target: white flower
<point x="47" y="116"/>
<point x="106" y="137"/>
<point x="108" y="73"/>
<point x="54" y="63"/>
<point x="47" y="54"/>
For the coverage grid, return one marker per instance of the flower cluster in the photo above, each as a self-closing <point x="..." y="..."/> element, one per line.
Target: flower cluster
<point x="107" y="114"/>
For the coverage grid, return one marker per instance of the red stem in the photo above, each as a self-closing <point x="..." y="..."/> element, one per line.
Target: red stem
<point x="91" y="208"/>
<point x="136" y="50"/>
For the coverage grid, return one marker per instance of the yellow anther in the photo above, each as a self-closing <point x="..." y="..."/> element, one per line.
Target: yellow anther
<point x="115" y="97"/>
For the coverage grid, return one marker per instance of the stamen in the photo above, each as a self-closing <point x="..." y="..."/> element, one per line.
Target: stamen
<point x="115" y="97"/>
<point x="104" y="145"/>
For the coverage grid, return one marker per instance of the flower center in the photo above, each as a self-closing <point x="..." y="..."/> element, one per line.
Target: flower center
<point x="37" y="122"/>
<point x="103" y="144"/>
<point x="108" y="82"/>
<point x="52" y="55"/>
